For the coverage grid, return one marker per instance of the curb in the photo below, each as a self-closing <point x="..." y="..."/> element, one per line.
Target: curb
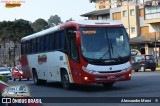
<point x="158" y="68"/>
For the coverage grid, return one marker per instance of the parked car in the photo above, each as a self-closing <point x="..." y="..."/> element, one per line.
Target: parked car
<point x="4" y="71"/>
<point x="143" y="62"/>
<point x="17" y="73"/>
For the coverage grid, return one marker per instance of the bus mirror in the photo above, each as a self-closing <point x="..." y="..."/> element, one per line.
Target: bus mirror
<point x="78" y="38"/>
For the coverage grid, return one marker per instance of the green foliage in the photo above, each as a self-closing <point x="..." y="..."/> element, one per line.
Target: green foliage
<point x="15" y="30"/>
<point x="4" y="78"/>
<point x="39" y="24"/>
<point x="70" y="20"/>
<point x="54" y="20"/>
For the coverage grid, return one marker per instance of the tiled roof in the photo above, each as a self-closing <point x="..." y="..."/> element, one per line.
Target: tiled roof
<point x="140" y="39"/>
<point x="97" y="12"/>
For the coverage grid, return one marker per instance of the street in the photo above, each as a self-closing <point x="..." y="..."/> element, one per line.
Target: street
<point x="142" y="84"/>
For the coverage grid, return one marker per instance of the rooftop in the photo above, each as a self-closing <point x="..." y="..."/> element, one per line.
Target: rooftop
<point x="96" y="13"/>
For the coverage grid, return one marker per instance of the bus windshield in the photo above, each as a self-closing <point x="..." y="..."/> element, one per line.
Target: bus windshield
<point x="101" y="43"/>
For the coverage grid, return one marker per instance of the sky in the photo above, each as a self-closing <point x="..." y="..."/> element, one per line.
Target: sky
<point x="33" y="9"/>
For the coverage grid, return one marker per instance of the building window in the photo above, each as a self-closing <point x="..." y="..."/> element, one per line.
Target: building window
<point x="141" y="11"/>
<point x="102" y="5"/>
<point x="116" y="16"/>
<point x="152" y="12"/>
<point x="105" y="17"/>
<point x="132" y="12"/>
<point x="133" y="29"/>
<point x="124" y="13"/>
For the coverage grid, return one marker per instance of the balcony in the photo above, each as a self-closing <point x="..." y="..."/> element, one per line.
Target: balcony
<point x="151" y="36"/>
<point x="152" y="12"/>
<point x="152" y="18"/>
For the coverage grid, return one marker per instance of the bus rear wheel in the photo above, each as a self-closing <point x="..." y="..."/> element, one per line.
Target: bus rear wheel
<point x="20" y="79"/>
<point x="27" y="79"/>
<point x="65" y="80"/>
<point x="36" y="80"/>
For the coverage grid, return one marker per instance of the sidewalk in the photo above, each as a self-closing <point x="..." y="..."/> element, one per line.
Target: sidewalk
<point x="158" y="68"/>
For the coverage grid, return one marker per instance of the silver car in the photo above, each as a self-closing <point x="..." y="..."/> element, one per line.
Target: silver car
<point x="4" y="71"/>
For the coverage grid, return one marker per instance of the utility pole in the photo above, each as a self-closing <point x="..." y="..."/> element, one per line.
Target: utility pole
<point x="155" y="44"/>
<point x="128" y="18"/>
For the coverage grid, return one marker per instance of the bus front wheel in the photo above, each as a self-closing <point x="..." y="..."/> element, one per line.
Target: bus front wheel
<point x="65" y="80"/>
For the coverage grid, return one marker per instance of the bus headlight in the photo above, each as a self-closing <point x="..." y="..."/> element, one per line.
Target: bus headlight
<point x="126" y="69"/>
<point x="89" y="70"/>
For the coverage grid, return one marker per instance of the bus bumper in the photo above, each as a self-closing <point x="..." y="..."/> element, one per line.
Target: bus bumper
<point x="104" y="78"/>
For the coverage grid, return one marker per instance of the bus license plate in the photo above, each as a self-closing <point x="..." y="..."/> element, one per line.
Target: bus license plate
<point x="111" y="77"/>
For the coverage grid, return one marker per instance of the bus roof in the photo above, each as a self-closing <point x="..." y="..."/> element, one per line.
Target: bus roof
<point x="81" y="23"/>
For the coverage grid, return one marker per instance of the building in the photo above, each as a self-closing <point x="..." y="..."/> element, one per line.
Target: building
<point x="141" y="18"/>
<point x="9" y="53"/>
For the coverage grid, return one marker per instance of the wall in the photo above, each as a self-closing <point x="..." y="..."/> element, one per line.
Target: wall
<point x="133" y="20"/>
<point x="106" y="3"/>
<point x="154" y="27"/>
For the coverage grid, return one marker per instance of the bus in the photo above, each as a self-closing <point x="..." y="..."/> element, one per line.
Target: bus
<point x="78" y="52"/>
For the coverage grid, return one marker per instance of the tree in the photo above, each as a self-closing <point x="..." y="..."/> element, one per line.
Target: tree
<point x="54" y="20"/>
<point x="19" y="29"/>
<point x="15" y="30"/>
<point x="5" y="27"/>
<point x="39" y="24"/>
<point x="70" y="20"/>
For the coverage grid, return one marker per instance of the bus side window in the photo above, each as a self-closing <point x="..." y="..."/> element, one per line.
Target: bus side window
<point x="72" y="49"/>
<point x="34" y="46"/>
<point x="38" y="45"/>
<point x="42" y="43"/>
<point x="74" y="53"/>
<point x="56" y="40"/>
<point x="47" y="43"/>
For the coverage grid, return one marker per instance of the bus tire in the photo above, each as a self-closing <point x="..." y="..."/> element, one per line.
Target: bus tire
<point x="108" y="85"/>
<point x="65" y="80"/>
<point x="19" y="78"/>
<point x="36" y="80"/>
<point x="27" y="79"/>
<point x="136" y="70"/>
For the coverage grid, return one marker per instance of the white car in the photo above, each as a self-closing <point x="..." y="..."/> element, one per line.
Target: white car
<point x="5" y="72"/>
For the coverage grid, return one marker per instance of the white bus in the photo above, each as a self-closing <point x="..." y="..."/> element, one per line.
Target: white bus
<point x="78" y="52"/>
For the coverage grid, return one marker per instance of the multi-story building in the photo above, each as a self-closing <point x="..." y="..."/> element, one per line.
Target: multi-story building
<point x="141" y="18"/>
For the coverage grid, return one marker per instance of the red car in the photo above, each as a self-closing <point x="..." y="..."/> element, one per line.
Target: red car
<point x="17" y="73"/>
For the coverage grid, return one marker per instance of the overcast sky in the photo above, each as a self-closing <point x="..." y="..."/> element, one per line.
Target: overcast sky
<point x="34" y="9"/>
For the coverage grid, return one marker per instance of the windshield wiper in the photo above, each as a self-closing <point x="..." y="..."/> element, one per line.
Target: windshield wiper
<point x="119" y="57"/>
<point x="112" y="49"/>
<point x="104" y="54"/>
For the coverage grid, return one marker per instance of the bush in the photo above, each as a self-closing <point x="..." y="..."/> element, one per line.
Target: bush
<point x="4" y="78"/>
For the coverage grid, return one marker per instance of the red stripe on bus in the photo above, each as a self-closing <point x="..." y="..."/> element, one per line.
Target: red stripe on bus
<point x="24" y="60"/>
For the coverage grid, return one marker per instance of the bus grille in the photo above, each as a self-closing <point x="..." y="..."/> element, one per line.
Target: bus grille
<point x="110" y="71"/>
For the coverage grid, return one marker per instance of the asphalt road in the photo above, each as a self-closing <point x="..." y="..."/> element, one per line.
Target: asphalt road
<point x="142" y="84"/>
